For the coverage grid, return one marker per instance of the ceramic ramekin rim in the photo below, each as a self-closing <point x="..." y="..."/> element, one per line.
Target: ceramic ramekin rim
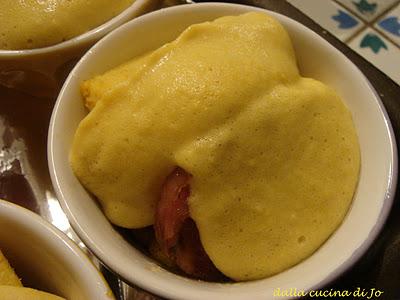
<point x="54" y="236"/>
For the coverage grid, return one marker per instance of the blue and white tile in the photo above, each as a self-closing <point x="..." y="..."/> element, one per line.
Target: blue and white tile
<point x="390" y="25"/>
<point x="367" y="10"/>
<point x="379" y="51"/>
<point x="330" y="15"/>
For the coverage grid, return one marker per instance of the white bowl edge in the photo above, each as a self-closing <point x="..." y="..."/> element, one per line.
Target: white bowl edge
<point x="90" y="279"/>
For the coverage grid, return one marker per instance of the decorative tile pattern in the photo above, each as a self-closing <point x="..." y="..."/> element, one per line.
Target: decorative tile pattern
<point x="379" y="51"/>
<point x="369" y="27"/>
<point x="331" y="16"/>
<point x="368" y="10"/>
<point x="389" y="25"/>
<point x="374" y="42"/>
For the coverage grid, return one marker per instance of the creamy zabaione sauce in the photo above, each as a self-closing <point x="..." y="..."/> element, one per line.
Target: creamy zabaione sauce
<point x="274" y="156"/>
<point x="28" y="24"/>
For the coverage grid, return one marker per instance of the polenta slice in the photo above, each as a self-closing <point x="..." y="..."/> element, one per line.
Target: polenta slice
<point x="7" y="274"/>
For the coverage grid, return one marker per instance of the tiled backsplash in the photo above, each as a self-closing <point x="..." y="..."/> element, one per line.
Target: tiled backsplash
<point x="370" y="27"/>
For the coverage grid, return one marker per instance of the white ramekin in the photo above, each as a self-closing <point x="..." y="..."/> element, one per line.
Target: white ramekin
<point x="50" y="64"/>
<point x="135" y="9"/>
<point x="317" y="59"/>
<point x="47" y="259"/>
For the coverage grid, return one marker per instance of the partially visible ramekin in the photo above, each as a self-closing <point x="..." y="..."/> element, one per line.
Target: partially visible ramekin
<point x="46" y="259"/>
<point x="316" y="59"/>
<point x="137" y="8"/>
<point x="51" y="64"/>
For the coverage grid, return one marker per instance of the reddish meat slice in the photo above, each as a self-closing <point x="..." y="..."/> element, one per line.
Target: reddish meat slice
<point x="172" y="209"/>
<point x="176" y="232"/>
<point x="191" y="256"/>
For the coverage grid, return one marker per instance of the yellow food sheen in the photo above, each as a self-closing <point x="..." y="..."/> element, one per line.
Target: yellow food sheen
<point x="7" y="274"/>
<point x="21" y="293"/>
<point x="274" y="156"/>
<point x="26" y="24"/>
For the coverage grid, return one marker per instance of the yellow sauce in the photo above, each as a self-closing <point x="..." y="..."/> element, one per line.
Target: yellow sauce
<point x="274" y="156"/>
<point x="7" y="274"/>
<point x="27" y="24"/>
<point x="8" y="292"/>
